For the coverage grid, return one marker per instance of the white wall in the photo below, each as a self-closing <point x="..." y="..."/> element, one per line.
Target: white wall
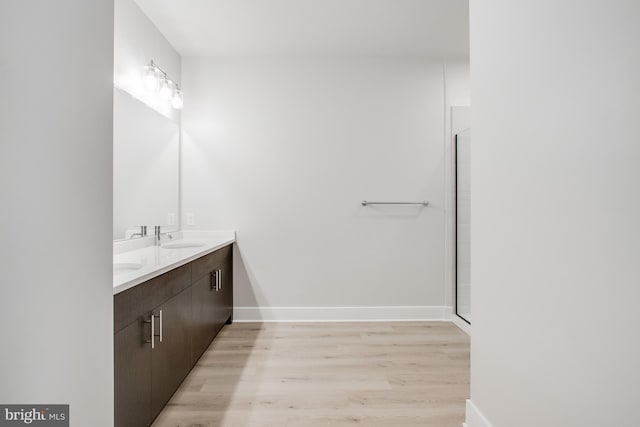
<point x="283" y="149"/>
<point x="136" y="42"/>
<point x="56" y="311"/>
<point x="556" y="238"/>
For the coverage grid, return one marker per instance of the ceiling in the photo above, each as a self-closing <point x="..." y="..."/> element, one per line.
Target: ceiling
<point x="262" y="27"/>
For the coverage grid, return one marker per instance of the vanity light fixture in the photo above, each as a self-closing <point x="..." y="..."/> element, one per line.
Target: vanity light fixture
<point x="176" y="101"/>
<point x="165" y="90"/>
<point x="156" y="79"/>
<point x="151" y="77"/>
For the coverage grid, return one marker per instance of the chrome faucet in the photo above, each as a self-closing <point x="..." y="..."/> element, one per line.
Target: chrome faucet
<point x="142" y="233"/>
<point x="159" y="235"/>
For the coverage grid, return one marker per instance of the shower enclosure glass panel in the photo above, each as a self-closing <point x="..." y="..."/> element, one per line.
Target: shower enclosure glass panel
<point x="463" y="225"/>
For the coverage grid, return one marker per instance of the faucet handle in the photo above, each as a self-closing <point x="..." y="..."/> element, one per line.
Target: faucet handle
<point x="141" y="233"/>
<point x="156" y="230"/>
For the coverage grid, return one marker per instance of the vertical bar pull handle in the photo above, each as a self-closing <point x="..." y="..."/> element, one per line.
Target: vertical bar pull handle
<point x="219" y="279"/>
<point x="153" y="331"/>
<point x="160" y="325"/>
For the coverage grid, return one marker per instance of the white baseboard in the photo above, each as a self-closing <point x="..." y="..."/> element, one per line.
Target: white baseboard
<point x="475" y="417"/>
<point x="341" y="314"/>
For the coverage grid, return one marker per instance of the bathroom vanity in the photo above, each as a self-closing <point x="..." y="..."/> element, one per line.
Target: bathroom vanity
<point x="170" y="301"/>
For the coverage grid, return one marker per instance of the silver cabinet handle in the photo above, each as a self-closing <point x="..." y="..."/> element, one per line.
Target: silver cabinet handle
<point x="220" y="278"/>
<point x="153" y="331"/>
<point x="160" y="325"/>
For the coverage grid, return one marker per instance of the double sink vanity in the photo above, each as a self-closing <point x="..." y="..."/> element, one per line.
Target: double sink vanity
<point x="171" y="299"/>
<point x="172" y="292"/>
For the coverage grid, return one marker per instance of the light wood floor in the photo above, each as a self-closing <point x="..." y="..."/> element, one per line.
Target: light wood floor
<point x="327" y="374"/>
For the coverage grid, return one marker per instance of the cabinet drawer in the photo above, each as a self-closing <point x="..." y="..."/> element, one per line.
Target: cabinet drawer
<point x="202" y="266"/>
<point x="130" y="305"/>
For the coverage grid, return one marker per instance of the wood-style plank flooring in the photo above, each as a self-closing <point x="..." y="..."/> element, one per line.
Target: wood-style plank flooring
<point x="327" y="374"/>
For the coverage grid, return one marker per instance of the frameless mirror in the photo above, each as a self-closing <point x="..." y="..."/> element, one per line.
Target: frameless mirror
<point x="145" y="167"/>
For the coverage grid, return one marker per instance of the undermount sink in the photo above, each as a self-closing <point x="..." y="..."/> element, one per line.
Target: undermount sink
<point x="180" y="245"/>
<point x="125" y="267"/>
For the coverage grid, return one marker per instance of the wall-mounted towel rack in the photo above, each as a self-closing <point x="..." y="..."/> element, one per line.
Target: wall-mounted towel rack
<point x="423" y="203"/>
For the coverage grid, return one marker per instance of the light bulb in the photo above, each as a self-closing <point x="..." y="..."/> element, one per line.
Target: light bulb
<point x="176" y="101"/>
<point x="151" y="77"/>
<point x="165" y="90"/>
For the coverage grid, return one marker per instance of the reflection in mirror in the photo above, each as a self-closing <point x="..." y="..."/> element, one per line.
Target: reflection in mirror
<point x="463" y="224"/>
<point x="145" y="168"/>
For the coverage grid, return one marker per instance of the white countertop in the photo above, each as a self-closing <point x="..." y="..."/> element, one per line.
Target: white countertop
<point x="136" y="261"/>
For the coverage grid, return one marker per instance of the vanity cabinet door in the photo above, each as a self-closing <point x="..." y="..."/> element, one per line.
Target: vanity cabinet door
<point x="132" y="380"/>
<point x="171" y="358"/>
<point x="203" y="311"/>
<point x="224" y="308"/>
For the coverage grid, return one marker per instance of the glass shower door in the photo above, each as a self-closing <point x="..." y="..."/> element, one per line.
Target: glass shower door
<point x="463" y="225"/>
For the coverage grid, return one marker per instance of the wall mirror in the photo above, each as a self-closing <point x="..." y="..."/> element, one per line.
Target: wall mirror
<point x="145" y="167"/>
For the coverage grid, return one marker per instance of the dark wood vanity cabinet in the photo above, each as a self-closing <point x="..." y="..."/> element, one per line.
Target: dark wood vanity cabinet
<point x="224" y="310"/>
<point x="170" y="363"/>
<point x="210" y="308"/>
<point x="189" y="305"/>
<point x="132" y="367"/>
